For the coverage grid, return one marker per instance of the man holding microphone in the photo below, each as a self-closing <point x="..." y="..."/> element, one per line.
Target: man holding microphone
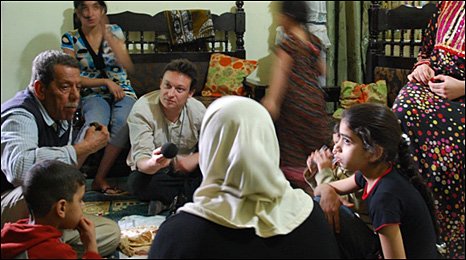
<point x="168" y="115"/>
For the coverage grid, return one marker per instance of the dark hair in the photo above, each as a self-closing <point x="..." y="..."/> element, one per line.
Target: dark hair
<point x="186" y="67"/>
<point x="296" y="10"/>
<point x="48" y="182"/>
<point x="78" y="5"/>
<point x="43" y="66"/>
<point x="376" y="124"/>
<point x="336" y="127"/>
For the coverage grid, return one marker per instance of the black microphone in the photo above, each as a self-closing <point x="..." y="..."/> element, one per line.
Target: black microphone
<point x="169" y="150"/>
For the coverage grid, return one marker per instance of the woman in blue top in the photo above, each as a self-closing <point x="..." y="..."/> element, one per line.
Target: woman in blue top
<point x="399" y="204"/>
<point x="107" y="95"/>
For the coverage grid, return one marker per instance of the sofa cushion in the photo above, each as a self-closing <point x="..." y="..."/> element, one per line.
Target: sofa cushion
<point x="352" y="93"/>
<point x="226" y="74"/>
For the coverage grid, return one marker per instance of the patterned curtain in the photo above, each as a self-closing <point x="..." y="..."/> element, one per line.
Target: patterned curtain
<point x="348" y="30"/>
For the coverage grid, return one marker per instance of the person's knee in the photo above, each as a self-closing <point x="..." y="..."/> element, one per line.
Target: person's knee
<point x="122" y="109"/>
<point x="95" y="109"/>
<point x="119" y="135"/>
<point x="107" y="236"/>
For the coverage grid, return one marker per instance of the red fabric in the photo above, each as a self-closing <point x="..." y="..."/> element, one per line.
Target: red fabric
<point x="40" y="241"/>
<point x="295" y="176"/>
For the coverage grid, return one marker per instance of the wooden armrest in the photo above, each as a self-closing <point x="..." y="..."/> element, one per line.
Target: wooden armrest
<point x="254" y="88"/>
<point x="332" y="93"/>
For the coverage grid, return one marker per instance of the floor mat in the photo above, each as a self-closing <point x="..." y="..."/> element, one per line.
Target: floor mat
<point x="118" y="208"/>
<point x="115" y="208"/>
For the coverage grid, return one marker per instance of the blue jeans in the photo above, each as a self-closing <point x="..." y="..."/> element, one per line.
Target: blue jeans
<point x="355" y="240"/>
<point x="113" y="114"/>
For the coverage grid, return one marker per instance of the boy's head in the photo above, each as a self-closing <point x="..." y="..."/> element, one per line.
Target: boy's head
<point x="57" y="188"/>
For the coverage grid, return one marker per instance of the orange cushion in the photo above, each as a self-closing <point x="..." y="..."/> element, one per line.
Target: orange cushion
<point x="352" y="93"/>
<point x="226" y="74"/>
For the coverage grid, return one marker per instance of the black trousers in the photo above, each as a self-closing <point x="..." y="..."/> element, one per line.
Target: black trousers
<point x="356" y="240"/>
<point x="164" y="185"/>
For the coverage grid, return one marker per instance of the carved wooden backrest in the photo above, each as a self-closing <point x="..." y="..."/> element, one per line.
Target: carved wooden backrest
<point x="147" y="40"/>
<point x="394" y="41"/>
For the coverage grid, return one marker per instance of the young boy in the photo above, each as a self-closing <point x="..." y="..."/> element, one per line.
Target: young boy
<point x="53" y="192"/>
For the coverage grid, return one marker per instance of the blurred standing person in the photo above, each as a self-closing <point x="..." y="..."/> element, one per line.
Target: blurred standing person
<point x="294" y="100"/>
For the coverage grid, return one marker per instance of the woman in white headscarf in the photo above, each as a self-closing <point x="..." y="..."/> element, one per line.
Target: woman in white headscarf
<point x="244" y="208"/>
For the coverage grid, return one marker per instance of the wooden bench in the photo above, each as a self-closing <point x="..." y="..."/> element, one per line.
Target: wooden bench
<point x="147" y="39"/>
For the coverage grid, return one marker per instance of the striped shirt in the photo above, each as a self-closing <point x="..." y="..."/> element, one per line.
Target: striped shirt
<point x="20" y="143"/>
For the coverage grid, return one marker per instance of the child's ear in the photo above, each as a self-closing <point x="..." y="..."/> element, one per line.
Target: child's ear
<point x="377" y="154"/>
<point x="61" y="208"/>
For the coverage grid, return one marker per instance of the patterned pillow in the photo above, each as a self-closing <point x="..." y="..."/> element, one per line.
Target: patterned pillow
<point x="226" y="74"/>
<point x="352" y="93"/>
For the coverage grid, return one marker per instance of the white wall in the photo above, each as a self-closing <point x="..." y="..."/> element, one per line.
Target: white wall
<point x="29" y="27"/>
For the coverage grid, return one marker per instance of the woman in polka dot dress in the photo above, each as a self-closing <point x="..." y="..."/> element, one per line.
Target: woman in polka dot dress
<point x="431" y="109"/>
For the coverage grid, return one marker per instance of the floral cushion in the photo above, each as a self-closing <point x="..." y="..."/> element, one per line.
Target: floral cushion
<point x="352" y="93"/>
<point x="226" y="74"/>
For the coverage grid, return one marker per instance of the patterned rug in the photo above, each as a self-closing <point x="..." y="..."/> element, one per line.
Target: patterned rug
<point x="124" y="209"/>
<point x="113" y="207"/>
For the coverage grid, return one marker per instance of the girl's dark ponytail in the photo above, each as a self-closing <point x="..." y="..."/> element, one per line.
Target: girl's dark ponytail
<point x="407" y="168"/>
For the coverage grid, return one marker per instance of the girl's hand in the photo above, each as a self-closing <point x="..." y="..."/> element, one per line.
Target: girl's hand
<point x="330" y="204"/>
<point x="115" y="89"/>
<point x="447" y="87"/>
<point x="117" y="45"/>
<point x="421" y="74"/>
<point x="323" y="158"/>
<point x="311" y="165"/>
